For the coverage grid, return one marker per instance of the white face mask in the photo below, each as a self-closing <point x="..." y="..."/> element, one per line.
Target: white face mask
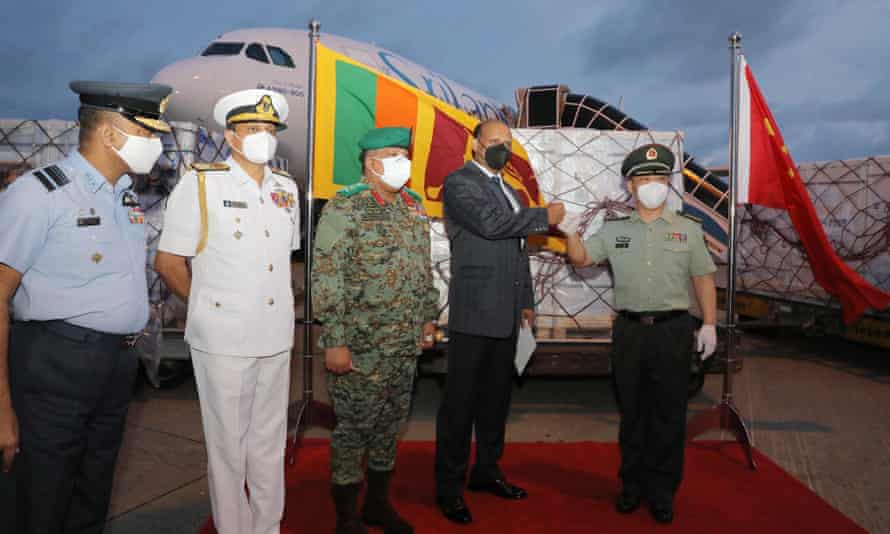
<point x="396" y="171"/>
<point x="139" y="153"/>
<point x="653" y="194"/>
<point x="259" y="147"/>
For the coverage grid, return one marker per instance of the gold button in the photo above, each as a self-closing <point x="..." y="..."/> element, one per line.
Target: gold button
<point x="267" y="233"/>
<point x="271" y="301"/>
<point x="270" y="267"/>
<point x="238" y="220"/>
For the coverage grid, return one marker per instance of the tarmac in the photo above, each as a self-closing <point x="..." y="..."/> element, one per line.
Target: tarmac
<point x="819" y="407"/>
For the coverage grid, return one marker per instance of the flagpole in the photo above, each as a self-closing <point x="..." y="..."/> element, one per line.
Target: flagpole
<point x="725" y="416"/>
<point x="308" y="411"/>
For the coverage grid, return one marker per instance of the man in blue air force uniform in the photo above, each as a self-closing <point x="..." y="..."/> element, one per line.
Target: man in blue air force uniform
<point x="72" y="266"/>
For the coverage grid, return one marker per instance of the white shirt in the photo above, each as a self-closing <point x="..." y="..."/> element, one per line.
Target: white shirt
<point x="241" y="301"/>
<point x="507" y="193"/>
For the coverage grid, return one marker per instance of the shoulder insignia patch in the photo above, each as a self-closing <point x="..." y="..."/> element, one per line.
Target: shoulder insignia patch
<point x="353" y="189"/>
<point x="280" y="172"/>
<point x="413" y="194"/>
<point x="690" y="217"/>
<point x="52" y="177"/>
<point x="210" y="167"/>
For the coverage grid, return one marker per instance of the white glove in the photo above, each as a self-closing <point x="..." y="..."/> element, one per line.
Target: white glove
<point x="570" y="223"/>
<point x="706" y="340"/>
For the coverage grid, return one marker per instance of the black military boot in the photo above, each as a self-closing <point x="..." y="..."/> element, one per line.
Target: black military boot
<point x="378" y="511"/>
<point x="345" y="499"/>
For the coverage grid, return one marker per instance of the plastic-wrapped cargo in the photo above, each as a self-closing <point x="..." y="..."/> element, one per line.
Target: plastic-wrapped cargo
<point x="581" y="168"/>
<point x="852" y="199"/>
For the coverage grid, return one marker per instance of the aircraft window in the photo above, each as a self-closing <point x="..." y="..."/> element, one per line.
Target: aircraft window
<point x="221" y="48"/>
<point x="280" y="57"/>
<point x="255" y="51"/>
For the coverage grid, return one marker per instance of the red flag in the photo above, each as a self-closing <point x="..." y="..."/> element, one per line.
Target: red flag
<point x="768" y="177"/>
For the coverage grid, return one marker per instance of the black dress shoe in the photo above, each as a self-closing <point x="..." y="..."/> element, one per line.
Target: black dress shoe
<point x="501" y="488"/>
<point x="662" y="512"/>
<point x="627" y="502"/>
<point x="455" y="510"/>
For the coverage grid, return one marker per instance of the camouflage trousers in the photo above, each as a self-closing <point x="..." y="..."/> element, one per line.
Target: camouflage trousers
<point x="370" y="407"/>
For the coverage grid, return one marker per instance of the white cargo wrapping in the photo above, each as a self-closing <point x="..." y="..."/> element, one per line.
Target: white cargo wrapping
<point x="852" y="199"/>
<point x="581" y="168"/>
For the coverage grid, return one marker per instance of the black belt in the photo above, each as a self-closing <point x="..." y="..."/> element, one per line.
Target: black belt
<point x="80" y="334"/>
<point x="653" y="317"/>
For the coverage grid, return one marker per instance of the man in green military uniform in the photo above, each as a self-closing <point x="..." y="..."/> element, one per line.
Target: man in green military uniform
<point x="374" y="294"/>
<point x="653" y="254"/>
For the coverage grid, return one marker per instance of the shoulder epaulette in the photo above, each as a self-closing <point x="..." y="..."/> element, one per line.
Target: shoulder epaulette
<point x="205" y="167"/>
<point x="353" y="189"/>
<point x="413" y="194"/>
<point x="280" y="172"/>
<point x="690" y="217"/>
<point x="52" y="177"/>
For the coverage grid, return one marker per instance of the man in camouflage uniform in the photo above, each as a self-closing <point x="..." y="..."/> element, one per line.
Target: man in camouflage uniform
<point x="374" y="294"/>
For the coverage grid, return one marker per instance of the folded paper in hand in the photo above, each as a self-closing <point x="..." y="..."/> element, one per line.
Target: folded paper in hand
<point x="525" y="346"/>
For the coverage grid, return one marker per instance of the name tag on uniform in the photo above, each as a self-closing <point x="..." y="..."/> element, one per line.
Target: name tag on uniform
<point x="622" y="241"/>
<point x="88" y="221"/>
<point x="234" y="204"/>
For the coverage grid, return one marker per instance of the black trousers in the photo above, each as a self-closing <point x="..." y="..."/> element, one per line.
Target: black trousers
<point x="71" y="388"/>
<point x="477" y="393"/>
<point x="650" y="370"/>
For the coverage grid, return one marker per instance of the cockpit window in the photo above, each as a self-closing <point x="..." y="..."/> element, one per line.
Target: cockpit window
<point x="280" y="57"/>
<point x="255" y="51"/>
<point x="221" y="48"/>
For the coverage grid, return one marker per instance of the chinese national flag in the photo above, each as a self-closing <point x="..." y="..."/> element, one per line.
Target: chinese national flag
<point x="768" y="177"/>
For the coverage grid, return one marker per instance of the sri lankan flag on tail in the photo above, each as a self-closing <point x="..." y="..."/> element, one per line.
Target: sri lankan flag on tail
<point x="352" y="98"/>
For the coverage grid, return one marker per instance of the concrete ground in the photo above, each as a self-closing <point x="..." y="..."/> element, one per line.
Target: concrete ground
<point x="818" y="407"/>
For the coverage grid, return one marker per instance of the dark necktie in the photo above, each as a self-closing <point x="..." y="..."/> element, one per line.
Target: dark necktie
<point x="500" y="193"/>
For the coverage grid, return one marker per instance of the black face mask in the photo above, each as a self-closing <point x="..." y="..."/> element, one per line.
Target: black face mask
<point x="497" y="156"/>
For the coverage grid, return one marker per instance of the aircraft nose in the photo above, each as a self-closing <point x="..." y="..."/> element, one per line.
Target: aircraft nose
<point x="193" y="94"/>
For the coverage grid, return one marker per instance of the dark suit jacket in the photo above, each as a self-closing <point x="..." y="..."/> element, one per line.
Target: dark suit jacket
<point x="490" y="278"/>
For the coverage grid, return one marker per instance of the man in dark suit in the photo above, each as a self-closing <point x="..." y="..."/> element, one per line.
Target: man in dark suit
<point x="490" y="293"/>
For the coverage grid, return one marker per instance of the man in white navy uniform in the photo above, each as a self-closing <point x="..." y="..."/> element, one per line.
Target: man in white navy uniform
<point x="239" y="222"/>
<point x="72" y="261"/>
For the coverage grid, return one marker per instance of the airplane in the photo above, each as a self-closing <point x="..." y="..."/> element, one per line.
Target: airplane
<point x="277" y="59"/>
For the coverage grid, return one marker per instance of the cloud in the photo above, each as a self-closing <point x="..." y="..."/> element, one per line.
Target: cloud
<point x="821" y="63"/>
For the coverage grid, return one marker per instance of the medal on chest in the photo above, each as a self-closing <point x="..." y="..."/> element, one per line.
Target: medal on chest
<point x="136" y="215"/>
<point x="283" y="199"/>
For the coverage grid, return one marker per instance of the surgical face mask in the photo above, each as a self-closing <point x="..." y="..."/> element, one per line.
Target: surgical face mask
<point x="653" y="194"/>
<point x="497" y="156"/>
<point x="259" y="147"/>
<point x="139" y="153"/>
<point x="396" y="171"/>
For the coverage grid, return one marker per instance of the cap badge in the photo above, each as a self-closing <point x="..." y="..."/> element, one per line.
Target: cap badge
<point x="651" y="154"/>
<point x="264" y="105"/>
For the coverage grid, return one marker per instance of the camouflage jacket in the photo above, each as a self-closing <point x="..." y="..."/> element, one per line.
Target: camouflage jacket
<point x="372" y="279"/>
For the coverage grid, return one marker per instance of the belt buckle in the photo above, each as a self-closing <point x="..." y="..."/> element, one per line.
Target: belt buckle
<point x="647" y="320"/>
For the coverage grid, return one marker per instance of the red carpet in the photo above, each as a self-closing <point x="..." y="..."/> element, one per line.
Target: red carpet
<point x="571" y="489"/>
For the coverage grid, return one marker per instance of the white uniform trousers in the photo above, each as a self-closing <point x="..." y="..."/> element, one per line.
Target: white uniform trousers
<point x="244" y="414"/>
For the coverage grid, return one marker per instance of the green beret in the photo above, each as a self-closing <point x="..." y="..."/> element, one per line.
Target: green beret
<point x="385" y="137"/>
<point x="648" y="159"/>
